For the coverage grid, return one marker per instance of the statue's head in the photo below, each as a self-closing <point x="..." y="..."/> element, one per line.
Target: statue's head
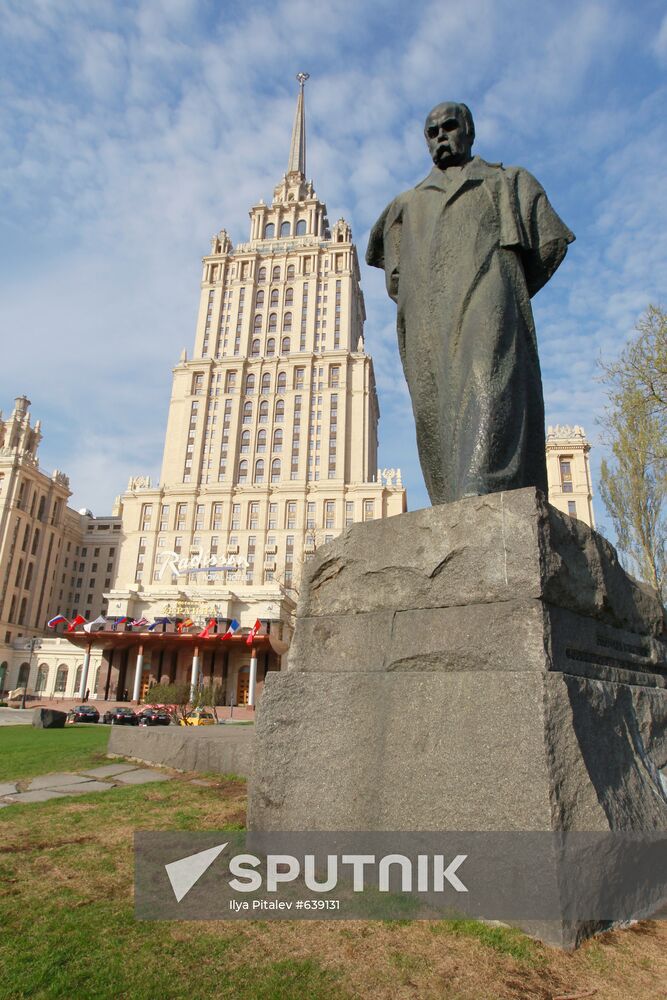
<point x="450" y="133"/>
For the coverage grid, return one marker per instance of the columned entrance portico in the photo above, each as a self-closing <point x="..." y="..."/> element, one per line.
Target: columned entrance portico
<point x="144" y="658"/>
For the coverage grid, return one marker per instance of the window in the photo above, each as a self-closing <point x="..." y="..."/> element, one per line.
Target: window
<point x="247" y="413"/>
<point x="253" y="516"/>
<point x="329" y="513"/>
<point x="261" y="441"/>
<point x="164" y="517"/>
<point x="261" y="274"/>
<point x="197" y="383"/>
<point x="273" y="322"/>
<point x="230" y="382"/>
<point x="61" y="679"/>
<point x="287" y="322"/>
<point x="243" y="472"/>
<point x="280" y="411"/>
<point x="181" y="514"/>
<point x="259" y="470"/>
<point x="274" y="297"/>
<point x="349" y="512"/>
<point x="289" y="296"/>
<point x="254" y="349"/>
<point x="146" y="516"/>
<point x="290" y="514"/>
<point x="270" y="347"/>
<point x="301" y="227"/>
<point x="571" y="508"/>
<point x="236" y="519"/>
<point x="278" y="440"/>
<point x="285" y="347"/>
<point x="281" y="385"/>
<point x="245" y="442"/>
<point x="216" y="520"/>
<point x="566" y="474"/>
<point x="275" y="274"/>
<point x="285" y="229"/>
<point x="259" y="301"/>
<point x="275" y="470"/>
<point x="369" y="510"/>
<point x="266" y="384"/>
<point x="263" y="412"/>
<point x="250" y="382"/>
<point x="269" y="231"/>
<point x="199" y="517"/>
<point x="334" y="376"/>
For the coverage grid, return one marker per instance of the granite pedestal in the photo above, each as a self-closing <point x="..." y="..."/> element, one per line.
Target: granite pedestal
<point x="485" y="665"/>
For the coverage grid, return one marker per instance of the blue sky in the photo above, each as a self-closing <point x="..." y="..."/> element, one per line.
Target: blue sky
<point x="132" y="131"/>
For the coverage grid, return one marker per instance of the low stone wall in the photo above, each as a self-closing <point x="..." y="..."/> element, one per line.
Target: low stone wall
<point x="223" y="749"/>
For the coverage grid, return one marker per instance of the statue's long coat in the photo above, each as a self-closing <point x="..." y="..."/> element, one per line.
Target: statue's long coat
<point x="463" y="252"/>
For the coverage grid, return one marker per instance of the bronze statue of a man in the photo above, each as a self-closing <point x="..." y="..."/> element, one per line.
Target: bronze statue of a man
<point x="463" y="252"/>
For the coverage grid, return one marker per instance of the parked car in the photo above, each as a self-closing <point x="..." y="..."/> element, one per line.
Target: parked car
<point x="83" y="713"/>
<point x="199" y="718"/>
<point x="121" y="715"/>
<point x="154" y="717"/>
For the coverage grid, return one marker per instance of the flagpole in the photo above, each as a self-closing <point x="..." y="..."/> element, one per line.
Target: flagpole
<point x="137" y="674"/>
<point x="253" y="677"/>
<point x="194" y="676"/>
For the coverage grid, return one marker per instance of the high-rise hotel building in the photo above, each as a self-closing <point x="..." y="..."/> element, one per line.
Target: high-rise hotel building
<point x="271" y="441"/>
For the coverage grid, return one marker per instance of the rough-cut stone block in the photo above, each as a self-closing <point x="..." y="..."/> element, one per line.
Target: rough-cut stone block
<point x="214" y="749"/>
<point x="480" y="666"/>
<point x="506" y="546"/>
<point x="48" y="718"/>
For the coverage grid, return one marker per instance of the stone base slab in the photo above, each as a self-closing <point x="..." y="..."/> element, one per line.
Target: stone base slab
<point x="480" y="666"/>
<point x="207" y="749"/>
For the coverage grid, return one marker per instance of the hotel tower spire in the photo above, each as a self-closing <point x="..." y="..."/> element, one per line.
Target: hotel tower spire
<point x="297" y="153"/>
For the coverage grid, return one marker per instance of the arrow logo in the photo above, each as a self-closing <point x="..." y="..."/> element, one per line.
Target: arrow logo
<point x="186" y="872"/>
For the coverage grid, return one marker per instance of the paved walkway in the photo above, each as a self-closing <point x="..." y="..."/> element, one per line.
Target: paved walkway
<point x="98" y="779"/>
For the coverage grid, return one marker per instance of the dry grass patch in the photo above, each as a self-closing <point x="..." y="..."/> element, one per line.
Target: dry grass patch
<point x="66" y="904"/>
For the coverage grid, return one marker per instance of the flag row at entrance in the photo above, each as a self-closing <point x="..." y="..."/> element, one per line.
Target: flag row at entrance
<point x="101" y="624"/>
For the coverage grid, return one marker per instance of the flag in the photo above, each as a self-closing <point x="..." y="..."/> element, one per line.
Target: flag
<point x="158" y="621"/>
<point x="140" y="622"/>
<point x="186" y="623"/>
<point x="79" y="620"/>
<point x="100" y="620"/>
<point x="117" y="622"/>
<point x="56" y="621"/>
<point x="253" y="632"/>
<point x="204" y="633"/>
<point x="234" y="626"/>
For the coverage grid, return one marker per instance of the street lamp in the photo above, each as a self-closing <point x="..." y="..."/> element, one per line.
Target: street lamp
<point x="32" y="645"/>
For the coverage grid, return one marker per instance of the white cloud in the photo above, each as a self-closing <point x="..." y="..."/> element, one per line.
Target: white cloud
<point x="132" y="132"/>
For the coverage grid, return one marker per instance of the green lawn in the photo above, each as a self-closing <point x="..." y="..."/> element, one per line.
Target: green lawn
<point x="26" y="752"/>
<point x="67" y="926"/>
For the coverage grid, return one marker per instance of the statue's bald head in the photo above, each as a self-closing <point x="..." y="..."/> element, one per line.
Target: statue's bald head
<point x="450" y="133"/>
